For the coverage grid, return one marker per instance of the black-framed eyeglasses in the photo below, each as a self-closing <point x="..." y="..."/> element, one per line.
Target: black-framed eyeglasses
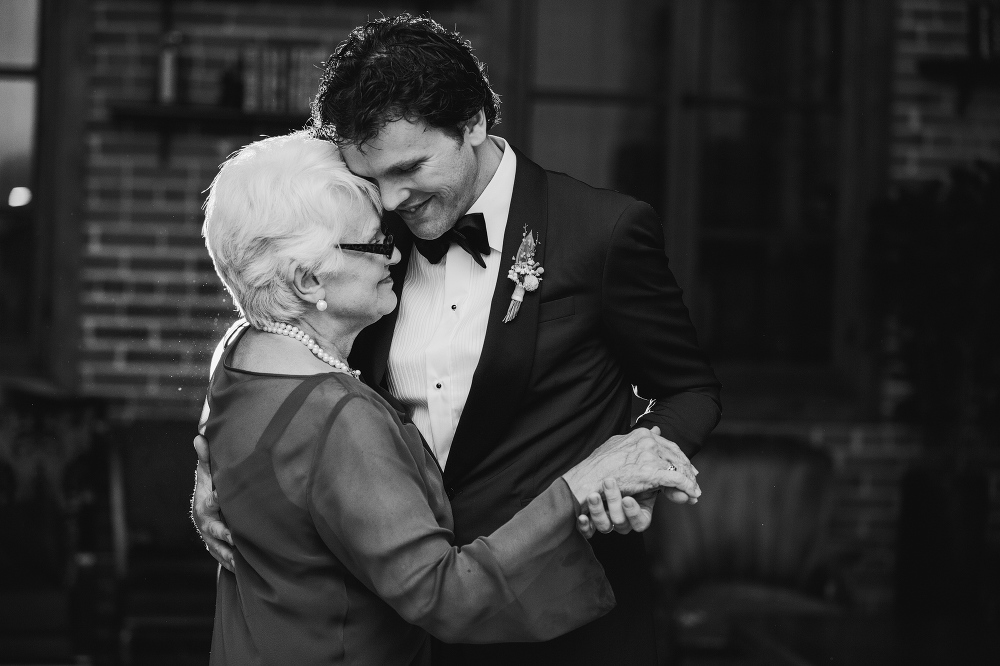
<point x="384" y="248"/>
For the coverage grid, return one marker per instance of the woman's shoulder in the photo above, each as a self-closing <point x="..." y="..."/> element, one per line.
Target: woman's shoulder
<point x="312" y="397"/>
<point x="341" y="389"/>
<point x="300" y="399"/>
<point x="347" y="404"/>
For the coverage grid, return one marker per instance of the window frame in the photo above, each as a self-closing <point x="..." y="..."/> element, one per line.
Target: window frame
<point x="845" y="388"/>
<point x="49" y="353"/>
<point x="16" y="357"/>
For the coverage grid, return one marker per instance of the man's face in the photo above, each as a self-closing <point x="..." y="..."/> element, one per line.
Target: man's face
<point x="427" y="176"/>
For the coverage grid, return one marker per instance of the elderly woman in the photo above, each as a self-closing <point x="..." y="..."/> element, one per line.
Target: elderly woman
<point x="335" y="503"/>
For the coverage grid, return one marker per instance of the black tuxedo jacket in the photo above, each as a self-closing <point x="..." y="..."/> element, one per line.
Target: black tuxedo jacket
<point x="555" y="383"/>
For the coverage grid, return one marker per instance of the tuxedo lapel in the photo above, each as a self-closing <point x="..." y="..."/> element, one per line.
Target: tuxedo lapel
<point x="370" y="353"/>
<point x="508" y="349"/>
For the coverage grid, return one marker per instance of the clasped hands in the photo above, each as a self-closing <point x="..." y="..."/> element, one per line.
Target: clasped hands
<point x="627" y="473"/>
<point x="630" y="471"/>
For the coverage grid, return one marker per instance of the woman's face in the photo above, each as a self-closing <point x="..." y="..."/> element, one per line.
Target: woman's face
<point x="360" y="290"/>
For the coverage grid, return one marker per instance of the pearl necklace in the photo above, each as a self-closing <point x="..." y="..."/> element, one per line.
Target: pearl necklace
<point x="298" y="334"/>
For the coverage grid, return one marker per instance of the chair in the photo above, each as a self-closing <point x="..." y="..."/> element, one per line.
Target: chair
<point x="34" y="611"/>
<point x="165" y="579"/>
<point x="754" y="543"/>
<point x="47" y="438"/>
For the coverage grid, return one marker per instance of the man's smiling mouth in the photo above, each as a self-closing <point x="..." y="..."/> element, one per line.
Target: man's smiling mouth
<point x="410" y="210"/>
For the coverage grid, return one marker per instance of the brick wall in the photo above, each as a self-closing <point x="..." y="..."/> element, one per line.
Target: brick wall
<point x="152" y="307"/>
<point x="930" y="133"/>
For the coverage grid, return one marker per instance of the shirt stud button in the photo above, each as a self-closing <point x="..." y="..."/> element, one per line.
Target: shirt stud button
<point x="438" y="385"/>
<point x="454" y="307"/>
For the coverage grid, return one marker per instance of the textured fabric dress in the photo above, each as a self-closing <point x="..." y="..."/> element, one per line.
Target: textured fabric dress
<point x="343" y="535"/>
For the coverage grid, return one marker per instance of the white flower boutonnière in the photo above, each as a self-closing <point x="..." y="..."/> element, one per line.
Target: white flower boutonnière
<point x="526" y="273"/>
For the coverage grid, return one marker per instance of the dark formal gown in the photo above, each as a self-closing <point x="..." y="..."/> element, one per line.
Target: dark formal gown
<point x="343" y="535"/>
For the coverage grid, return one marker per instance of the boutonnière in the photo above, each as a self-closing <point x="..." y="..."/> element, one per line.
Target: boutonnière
<point x="526" y="273"/>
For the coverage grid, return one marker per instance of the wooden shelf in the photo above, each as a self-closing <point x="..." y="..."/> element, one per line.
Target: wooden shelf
<point x="168" y="119"/>
<point x="205" y="118"/>
<point x="965" y="74"/>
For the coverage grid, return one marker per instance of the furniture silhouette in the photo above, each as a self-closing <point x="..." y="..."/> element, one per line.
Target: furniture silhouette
<point x="753" y="545"/>
<point x="165" y="579"/>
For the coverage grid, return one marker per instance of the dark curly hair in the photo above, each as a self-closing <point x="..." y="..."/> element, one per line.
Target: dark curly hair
<point x="401" y="67"/>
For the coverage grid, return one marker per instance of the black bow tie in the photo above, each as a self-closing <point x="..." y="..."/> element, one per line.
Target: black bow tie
<point x="469" y="233"/>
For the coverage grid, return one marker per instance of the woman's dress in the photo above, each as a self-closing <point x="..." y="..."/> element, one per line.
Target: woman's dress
<point x="343" y="535"/>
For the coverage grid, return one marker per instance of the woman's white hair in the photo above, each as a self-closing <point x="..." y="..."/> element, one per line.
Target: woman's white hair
<point x="276" y="205"/>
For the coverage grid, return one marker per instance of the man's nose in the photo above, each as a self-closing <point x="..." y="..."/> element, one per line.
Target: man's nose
<point x="392" y="195"/>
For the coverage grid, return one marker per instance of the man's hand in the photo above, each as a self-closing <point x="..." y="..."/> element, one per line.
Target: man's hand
<point x="623" y="514"/>
<point x="205" y="511"/>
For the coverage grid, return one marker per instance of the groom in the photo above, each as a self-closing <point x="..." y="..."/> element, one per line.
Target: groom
<point x="508" y="404"/>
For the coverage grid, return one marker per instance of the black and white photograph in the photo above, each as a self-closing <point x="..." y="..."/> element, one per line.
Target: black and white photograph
<point x="492" y="332"/>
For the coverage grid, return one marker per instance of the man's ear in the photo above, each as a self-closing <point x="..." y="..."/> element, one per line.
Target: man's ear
<point x="306" y="286"/>
<point x="474" y="129"/>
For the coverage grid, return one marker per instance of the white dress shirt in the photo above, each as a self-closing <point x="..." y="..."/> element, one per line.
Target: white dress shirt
<point x="443" y="315"/>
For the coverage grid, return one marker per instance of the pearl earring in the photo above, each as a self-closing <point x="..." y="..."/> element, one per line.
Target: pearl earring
<point x="321" y="305"/>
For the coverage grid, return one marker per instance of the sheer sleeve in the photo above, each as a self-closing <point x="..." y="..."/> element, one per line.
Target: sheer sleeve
<point x="533" y="579"/>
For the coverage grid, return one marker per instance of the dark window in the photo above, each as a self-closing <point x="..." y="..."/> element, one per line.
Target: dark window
<point x="769" y="123"/>
<point x="19" y="78"/>
<point x="756" y="129"/>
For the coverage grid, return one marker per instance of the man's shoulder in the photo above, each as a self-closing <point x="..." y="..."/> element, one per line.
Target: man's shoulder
<point x="567" y="192"/>
<point x="592" y="213"/>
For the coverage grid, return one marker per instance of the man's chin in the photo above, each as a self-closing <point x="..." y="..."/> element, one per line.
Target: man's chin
<point x="427" y="229"/>
<point x="429" y="234"/>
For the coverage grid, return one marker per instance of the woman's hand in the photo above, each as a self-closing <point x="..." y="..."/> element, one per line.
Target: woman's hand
<point x="638" y="462"/>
